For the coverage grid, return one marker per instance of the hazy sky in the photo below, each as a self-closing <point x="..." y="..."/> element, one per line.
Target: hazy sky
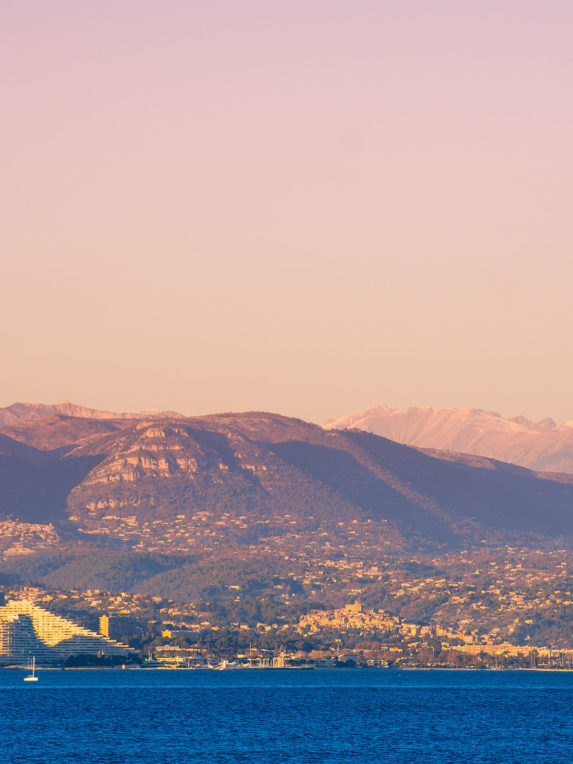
<point x="304" y="206"/>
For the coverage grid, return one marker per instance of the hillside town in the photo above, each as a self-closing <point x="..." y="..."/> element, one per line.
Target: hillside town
<point x="203" y="634"/>
<point x="200" y="589"/>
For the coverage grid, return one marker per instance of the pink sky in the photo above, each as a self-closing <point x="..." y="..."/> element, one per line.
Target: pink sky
<point x="305" y="207"/>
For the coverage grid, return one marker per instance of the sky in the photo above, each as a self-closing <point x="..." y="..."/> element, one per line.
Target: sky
<point x="306" y="207"/>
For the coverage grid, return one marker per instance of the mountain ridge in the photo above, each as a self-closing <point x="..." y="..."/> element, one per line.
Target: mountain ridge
<point x="109" y="478"/>
<point x="22" y="412"/>
<point x="543" y="445"/>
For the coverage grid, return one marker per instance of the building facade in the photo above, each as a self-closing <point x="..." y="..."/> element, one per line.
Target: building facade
<point x="29" y="630"/>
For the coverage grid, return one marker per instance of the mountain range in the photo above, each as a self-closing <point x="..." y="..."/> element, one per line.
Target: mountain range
<point x="542" y="445"/>
<point x="90" y="472"/>
<point x="22" y="412"/>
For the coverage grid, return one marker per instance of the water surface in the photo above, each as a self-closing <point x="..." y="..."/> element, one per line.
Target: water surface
<point x="302" y="716"/>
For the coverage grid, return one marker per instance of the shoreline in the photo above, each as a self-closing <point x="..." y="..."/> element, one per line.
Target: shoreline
<point x="286" y="668"/>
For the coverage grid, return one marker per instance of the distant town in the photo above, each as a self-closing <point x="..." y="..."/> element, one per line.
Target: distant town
<point x="462" y="610"/>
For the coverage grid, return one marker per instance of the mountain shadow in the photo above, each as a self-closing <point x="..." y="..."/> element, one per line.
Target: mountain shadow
<point x="493" y="494"/>
<point x="358" y="485"/>
<point x="34" y="484"/>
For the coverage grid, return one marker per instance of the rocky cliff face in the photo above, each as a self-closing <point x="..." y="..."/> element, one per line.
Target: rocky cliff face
<point x="264" y="467"/>
<point x="542" y="445"/>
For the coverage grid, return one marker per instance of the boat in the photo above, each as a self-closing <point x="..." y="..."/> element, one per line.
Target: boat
<point x="32" y="677"/>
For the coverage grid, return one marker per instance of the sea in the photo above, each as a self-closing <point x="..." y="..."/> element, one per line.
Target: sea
<point x="334" y="716"/>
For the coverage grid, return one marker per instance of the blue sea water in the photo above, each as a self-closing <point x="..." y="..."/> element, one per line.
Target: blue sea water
<point x="302" y="716"/>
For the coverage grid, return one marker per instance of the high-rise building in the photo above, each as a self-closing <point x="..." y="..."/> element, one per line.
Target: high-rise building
<point x="104" y="625"/>
<point x="27" y="629"/>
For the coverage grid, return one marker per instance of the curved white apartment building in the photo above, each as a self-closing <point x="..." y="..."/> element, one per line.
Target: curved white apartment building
<point x="27" y="629"/>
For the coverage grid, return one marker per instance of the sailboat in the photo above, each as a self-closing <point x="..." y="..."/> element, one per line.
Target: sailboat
<point x="32" y="677"/>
